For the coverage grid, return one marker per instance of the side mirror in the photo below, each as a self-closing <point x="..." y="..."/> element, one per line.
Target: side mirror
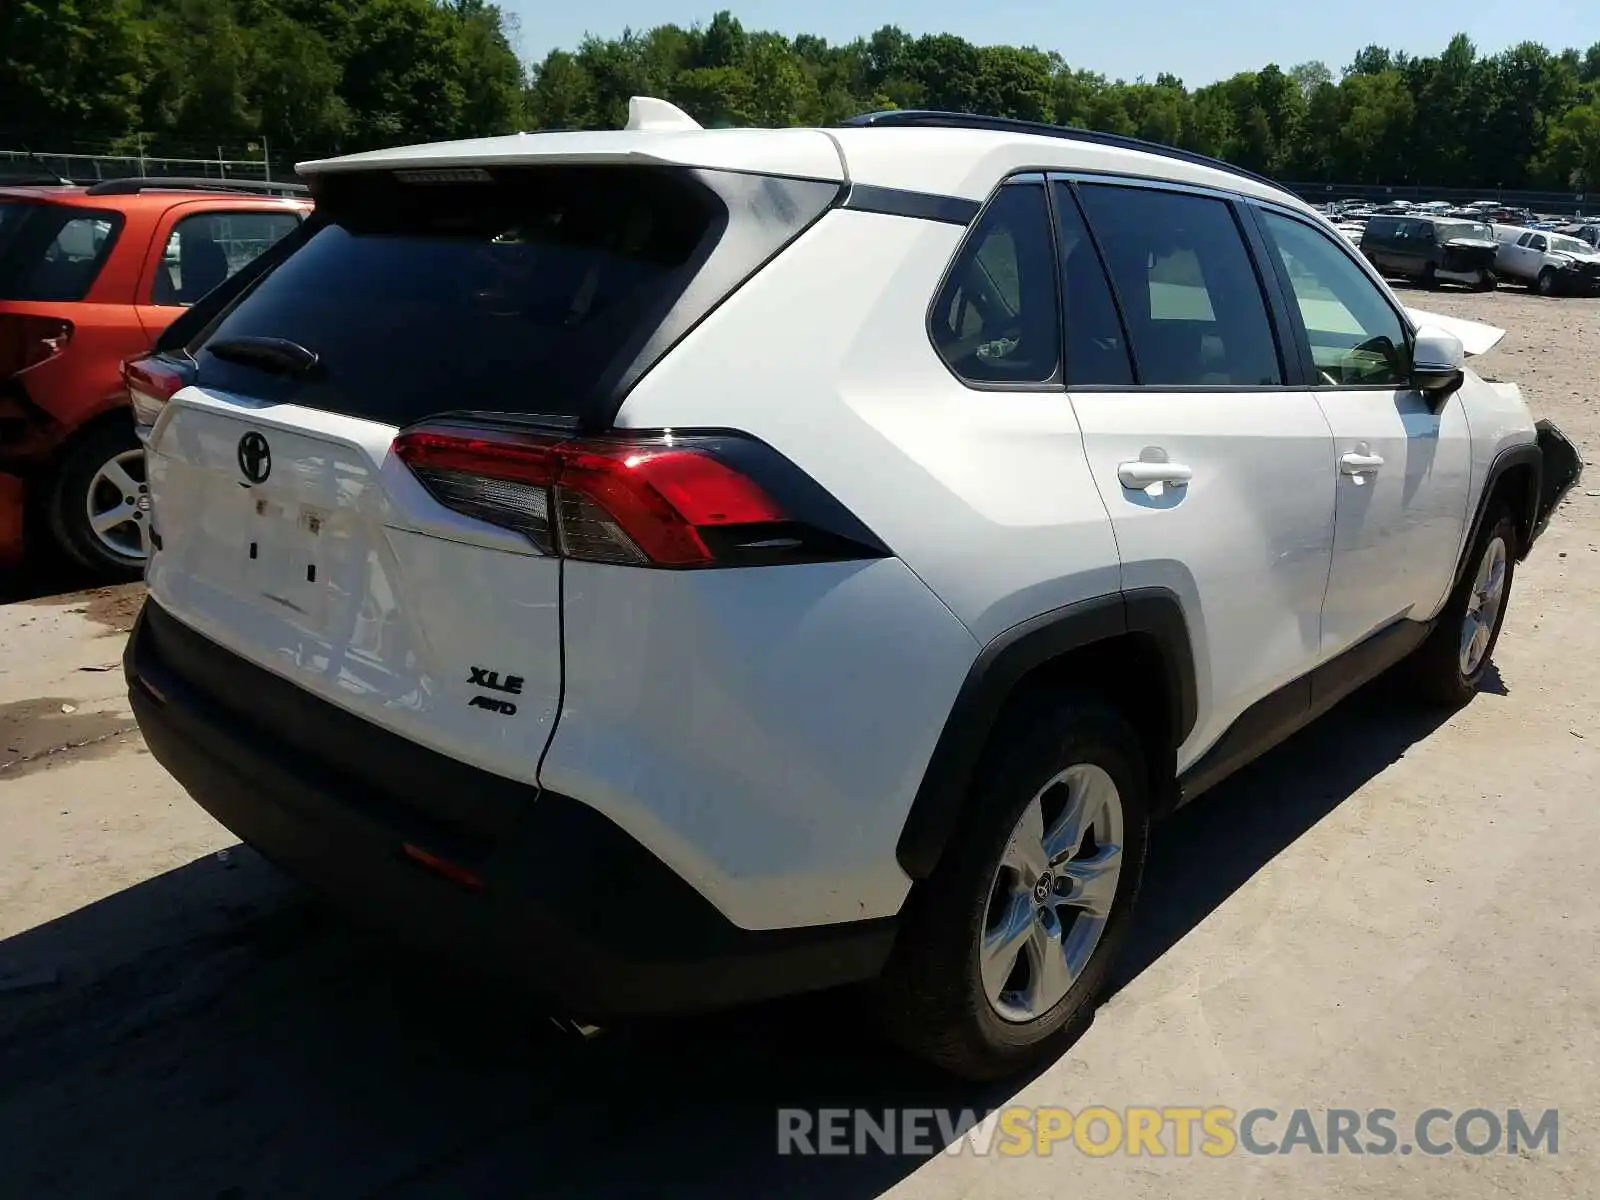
<point x="1438" y="360"/>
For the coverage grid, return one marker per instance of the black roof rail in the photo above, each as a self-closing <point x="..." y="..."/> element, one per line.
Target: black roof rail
<point x="132" y="186"/>
<point x="912" y="118"/>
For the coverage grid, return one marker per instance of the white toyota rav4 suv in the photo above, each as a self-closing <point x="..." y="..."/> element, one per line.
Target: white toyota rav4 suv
<point x="680" y="567"/>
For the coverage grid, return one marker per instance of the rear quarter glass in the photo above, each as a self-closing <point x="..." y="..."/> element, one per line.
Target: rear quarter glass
<point x="55" y="252"/>
<point x="537" y="291"/>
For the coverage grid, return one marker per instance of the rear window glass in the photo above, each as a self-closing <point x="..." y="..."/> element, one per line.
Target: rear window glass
<point x="1465" y="229"/>
<point x="513" y="295"/>
<point x="53" y="251"/>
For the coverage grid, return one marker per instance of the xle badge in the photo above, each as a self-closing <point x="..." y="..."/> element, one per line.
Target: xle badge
<point x="485" y="678"/>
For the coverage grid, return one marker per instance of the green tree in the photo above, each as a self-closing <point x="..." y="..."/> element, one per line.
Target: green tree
<point x="296" y="86"/>
<point x="561" y="93"/>
<point x="1571" y="157"/>
<point x="69" y="66"/>
<point x="322" y="76"/>
<point x="1013" y="82"/>
<point x="492" y="81"/>
<point x="781" y="91"/>
<point x="403" y="76"/>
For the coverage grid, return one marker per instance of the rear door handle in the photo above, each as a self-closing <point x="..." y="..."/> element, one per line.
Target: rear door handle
<point x="1142" y="473"/>
<point x="1358" y="463"/>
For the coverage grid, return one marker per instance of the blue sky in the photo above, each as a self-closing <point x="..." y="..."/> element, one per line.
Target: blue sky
<point x="1198" y="40"/>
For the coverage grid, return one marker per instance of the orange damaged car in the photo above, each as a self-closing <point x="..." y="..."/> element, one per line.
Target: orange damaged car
<point x="90" y="277"/>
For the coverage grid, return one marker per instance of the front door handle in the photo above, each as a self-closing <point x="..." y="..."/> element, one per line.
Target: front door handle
<point x="1143" y="473"/>
<point x="1359" y="462"/>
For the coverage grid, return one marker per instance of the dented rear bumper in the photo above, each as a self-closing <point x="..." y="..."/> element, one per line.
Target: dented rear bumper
<point x="1561" y="470"/>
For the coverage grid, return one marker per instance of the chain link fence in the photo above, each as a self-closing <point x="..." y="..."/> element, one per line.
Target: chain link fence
<point x="93" y="162"/>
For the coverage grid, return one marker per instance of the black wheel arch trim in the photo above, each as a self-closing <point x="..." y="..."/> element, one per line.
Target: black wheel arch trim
<point x="1524" y="454"/>
<point x="994" y="676"/>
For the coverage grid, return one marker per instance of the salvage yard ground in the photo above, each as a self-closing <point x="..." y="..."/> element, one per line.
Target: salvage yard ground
<point x="1395" y="910"/>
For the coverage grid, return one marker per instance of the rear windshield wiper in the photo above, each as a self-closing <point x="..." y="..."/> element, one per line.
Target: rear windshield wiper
<point x="278" y="355"/>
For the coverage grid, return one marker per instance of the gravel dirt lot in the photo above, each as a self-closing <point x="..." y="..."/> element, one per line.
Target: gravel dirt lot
<point x="1394" y="910"/>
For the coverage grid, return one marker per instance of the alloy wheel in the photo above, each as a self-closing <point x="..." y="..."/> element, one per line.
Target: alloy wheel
<point x="1483" y="606"/>
<point x="118" y="506"/>
<point x="1052" y="893"/>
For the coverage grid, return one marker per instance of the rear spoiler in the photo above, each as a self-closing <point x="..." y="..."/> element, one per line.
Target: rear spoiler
<point x="1476" y="337"/>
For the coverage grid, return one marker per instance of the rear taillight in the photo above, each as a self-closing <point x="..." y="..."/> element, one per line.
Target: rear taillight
<point x="668" y="500"/>
<point x="151" y="382"/>
<point x="28" y="341"/>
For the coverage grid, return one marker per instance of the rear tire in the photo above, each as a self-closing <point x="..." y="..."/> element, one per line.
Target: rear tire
<point x="1448" y="668"/>
<point x="100" y="476"/>
<point x="993" y="972"/>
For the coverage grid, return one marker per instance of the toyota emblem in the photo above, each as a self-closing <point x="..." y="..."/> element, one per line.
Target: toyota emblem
<point x="255" y="457"/>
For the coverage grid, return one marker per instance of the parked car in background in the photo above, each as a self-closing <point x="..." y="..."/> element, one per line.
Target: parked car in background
<point x="89" y="277"/>
<point x="1550" y="263"/>
<point x="1432" y="250"/>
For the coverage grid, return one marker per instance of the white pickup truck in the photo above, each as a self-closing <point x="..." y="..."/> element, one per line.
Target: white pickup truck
<point x="1551" y="263"/>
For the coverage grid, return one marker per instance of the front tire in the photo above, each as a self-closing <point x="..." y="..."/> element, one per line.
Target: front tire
<point x="1430" y="277"/>
<point x="1487" y="281"/>
<point x="1449" y="667"/>
<point x="99" y="506"/>
<point x="1005" y="948"/>
<point x="1545" y="285"/>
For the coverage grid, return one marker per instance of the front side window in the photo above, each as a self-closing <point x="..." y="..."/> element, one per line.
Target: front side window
<point x="1538" y="243"/>
<point x="1357" y="338"/>
<point x="996" y="319"/>
<point x="204" y="250"/>
<point x="1195" y="313"/>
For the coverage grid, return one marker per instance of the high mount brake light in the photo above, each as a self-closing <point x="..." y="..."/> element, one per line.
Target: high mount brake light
<point x="636" y="501"/>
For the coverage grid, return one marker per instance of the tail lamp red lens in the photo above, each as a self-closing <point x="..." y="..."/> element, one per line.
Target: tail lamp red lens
<point x="150" y="383"/>
<point x="27" y="341"/>
<point x="639" y="502"/>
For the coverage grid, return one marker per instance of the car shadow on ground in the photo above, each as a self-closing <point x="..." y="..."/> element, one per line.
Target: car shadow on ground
<point x="43" y="573"/>
<point x="248" y="1044"/>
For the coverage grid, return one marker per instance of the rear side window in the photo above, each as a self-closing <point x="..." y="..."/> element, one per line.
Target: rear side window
<point x="54" y="252"/>
<point x="523" y="291"/>
<point x="206" y="249"/>
<point x="995" y="319"/>
<point x="1188" y="290"/>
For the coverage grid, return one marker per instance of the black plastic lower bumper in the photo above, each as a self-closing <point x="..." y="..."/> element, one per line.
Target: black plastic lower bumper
<point x="560" y="899"/>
